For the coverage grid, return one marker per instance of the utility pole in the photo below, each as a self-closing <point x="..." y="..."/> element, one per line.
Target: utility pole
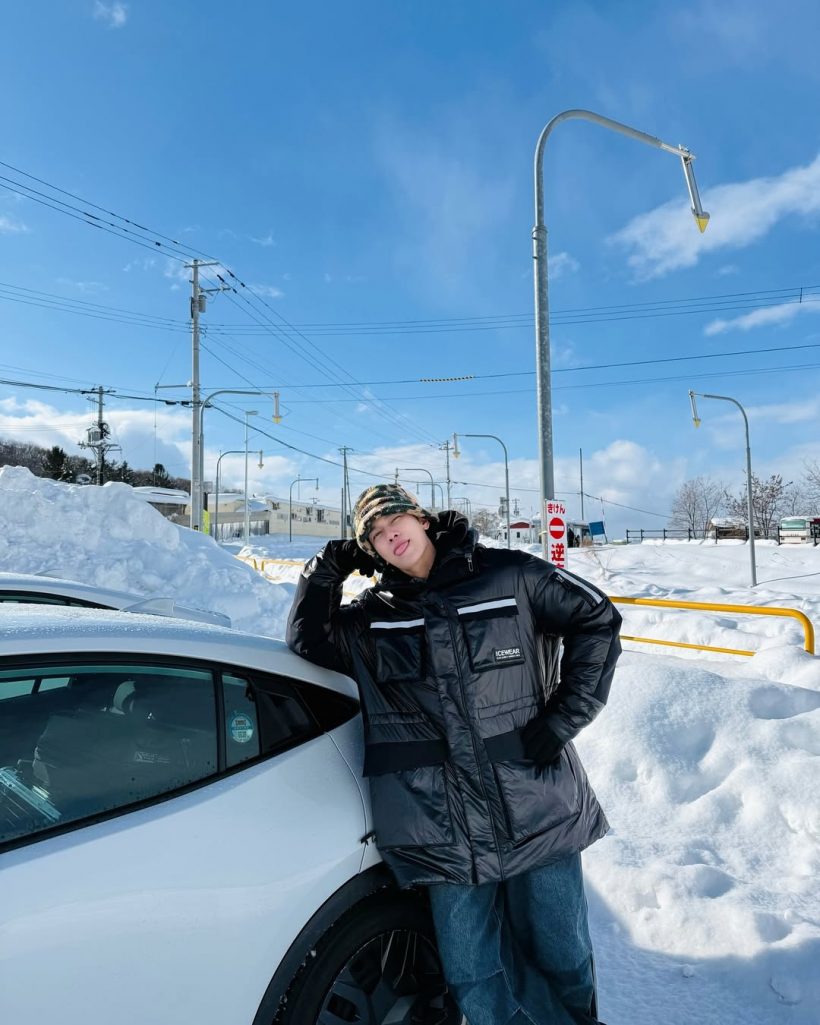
<point x="96" y="436"/>
<point x="199" y="298"/>
<point x="197" y="307"/>
<point x="345" y="489"/>
<point x="102" y="427"/>
<point x="581" y="456"/>
<point x="446" y="446"/>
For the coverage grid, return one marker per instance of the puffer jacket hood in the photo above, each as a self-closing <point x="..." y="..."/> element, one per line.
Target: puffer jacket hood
<point x="450" y="671"/>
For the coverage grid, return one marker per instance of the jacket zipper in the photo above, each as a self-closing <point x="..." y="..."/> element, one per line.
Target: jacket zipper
<point x="448" y="614"/>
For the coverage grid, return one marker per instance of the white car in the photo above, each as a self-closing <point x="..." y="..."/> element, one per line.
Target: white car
<point x="42" y="590"/>
<point x="185" y="836"/>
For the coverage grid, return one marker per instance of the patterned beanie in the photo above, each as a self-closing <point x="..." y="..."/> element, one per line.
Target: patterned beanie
<point x="382" y="500"/>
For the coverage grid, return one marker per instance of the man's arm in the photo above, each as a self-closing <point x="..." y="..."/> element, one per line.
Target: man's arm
<point x="588" y="624"/>
<point x="315" y="624"/>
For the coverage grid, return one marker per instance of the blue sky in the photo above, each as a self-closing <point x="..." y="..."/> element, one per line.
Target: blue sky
<point x="366" y="169"/>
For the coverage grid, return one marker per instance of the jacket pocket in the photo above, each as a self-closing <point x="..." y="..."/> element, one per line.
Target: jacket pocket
<point x="400" y="654"/>
<point x="535" y="799"/>
<point x="492" y="634"/>
<point x="411" y="808"/>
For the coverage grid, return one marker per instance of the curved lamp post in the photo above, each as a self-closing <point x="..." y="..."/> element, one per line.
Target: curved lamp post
<point x="248" y="413"/>
<point x="290" y="501"/>
<point x="420" y="469"/>
<point x="506" y="470"/>
<point x="216" y="500"/>
<point x="468" y="506"/>
<point x="749" y="500"/>
<point x="539" y="238"/>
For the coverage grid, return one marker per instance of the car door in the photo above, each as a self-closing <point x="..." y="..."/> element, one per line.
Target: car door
<point x="166" y="829"/>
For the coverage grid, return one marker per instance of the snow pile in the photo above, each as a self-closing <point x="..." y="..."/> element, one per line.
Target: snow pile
<point x="112" y="538"/>
<point x="705" y="896"/>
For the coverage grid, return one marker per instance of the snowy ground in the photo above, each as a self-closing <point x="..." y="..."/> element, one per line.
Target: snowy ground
<point x="705" y="896"/>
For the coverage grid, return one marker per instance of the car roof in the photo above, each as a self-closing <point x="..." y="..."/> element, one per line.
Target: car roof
<point x="45" y="630"/>
<point x="58" y="587"/>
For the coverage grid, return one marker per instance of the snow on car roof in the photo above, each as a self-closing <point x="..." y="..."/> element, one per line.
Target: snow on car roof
<point x="56" y="629"/>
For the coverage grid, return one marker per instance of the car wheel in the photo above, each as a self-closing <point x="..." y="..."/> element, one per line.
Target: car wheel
<point x="376" y="965"/>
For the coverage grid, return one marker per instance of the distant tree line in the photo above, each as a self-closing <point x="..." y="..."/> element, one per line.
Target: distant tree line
<point x="698" y="501"/>
<point x="56" y="464"/>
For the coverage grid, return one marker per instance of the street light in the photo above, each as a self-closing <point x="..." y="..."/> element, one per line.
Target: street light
<point x="506" y="470"/>
<point x="539" y="237"/>
<point x="290" y="501"/>
<point x="248" y="413"/>
<point x="233" y="452"/>
<point x="199" y="442"/>
<point x="420" y="469"/>
<point x="749" y="501"/>
<point x="468" y="506"/>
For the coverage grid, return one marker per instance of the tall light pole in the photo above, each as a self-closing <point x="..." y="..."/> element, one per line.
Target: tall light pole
<point x="539" y="238"/>
<point x="248" y="413"/>
<point x="506" y="470"/>
<point x="233" y="452"/>
<point x="200" y="427"/>
<point x="290" y="501"/>
<point x="420" y="469"/>
<point x="749" y="500"/>
<point x="468" y="506"/>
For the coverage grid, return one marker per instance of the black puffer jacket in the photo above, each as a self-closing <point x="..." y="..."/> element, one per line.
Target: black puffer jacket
<point x="450" y="669"/>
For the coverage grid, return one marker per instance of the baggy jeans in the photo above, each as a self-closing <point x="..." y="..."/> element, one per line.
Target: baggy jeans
<point x="518" y="952"/>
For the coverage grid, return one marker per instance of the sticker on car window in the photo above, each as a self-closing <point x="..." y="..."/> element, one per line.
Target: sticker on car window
<point x="241" y="728"/>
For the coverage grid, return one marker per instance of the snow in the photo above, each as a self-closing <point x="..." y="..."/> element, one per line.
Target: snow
<point x="705" y="895"/>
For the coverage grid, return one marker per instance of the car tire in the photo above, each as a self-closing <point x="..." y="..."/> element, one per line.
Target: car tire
<point x="377" y="964"/>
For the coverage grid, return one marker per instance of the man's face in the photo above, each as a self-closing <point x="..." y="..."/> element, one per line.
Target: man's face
<point x="401" y="540"/>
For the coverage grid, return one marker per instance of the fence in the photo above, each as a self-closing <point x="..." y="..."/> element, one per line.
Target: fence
<point x="664" y="533"/>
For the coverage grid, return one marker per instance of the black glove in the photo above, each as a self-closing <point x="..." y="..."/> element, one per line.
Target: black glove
<point x="540" y="744"/>
<point x="346" y="556"/>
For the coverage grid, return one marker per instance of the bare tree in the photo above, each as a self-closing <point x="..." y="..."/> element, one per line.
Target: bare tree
<point x="695" y="503"/>
<point x="770" y="501"/>
<point x="486" y="522"/>
<point x="811" y="482"/>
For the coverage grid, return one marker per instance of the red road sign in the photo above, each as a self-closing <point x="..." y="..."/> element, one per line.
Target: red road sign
<point x="556" y="528"/>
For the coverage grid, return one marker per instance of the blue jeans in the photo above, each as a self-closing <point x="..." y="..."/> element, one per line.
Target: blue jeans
<point x="518" y="952"/>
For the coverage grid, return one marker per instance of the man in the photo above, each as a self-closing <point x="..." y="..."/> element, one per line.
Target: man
<point x="476" y="788"/>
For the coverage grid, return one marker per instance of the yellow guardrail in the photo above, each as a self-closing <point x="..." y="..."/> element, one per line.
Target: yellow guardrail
<point x="750" y="610"/>
<point x="259" y="564"/>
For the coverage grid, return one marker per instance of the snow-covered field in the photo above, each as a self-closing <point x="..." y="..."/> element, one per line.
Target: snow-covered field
<point x="705" y="896"/>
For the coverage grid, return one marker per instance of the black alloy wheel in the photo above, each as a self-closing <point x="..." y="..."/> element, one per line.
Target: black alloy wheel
<point x="378" y="966"/>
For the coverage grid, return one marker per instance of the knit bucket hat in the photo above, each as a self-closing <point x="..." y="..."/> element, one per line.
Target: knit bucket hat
<point x="382" y="500"/>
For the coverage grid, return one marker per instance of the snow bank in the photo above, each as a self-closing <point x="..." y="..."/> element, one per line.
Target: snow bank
<point x="112" y="538"/>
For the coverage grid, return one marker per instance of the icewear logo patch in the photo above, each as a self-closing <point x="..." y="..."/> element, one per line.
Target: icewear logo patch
<point x="506" y="654"/>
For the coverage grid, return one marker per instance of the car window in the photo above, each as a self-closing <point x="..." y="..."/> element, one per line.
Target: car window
<point x="241" y="723"/>
<point x="264" y="714"/>
<point x="83" y="740"/>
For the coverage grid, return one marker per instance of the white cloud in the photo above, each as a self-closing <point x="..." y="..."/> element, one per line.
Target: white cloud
<point x="447" y="202"/>
<point x="791" y="412"/>
<point x="268" y="291"/>
<point x="87" y="287"/>
<point x="728" y="268"/>
<point x="114" y="14"/>
<point x="141" y="263"/>
<point x="783" y="313"/>
<point x="666" y="239"/>
<point x="11" y="226"/>
<point x="265" y="241"/>
<point x="562" y="263"/>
